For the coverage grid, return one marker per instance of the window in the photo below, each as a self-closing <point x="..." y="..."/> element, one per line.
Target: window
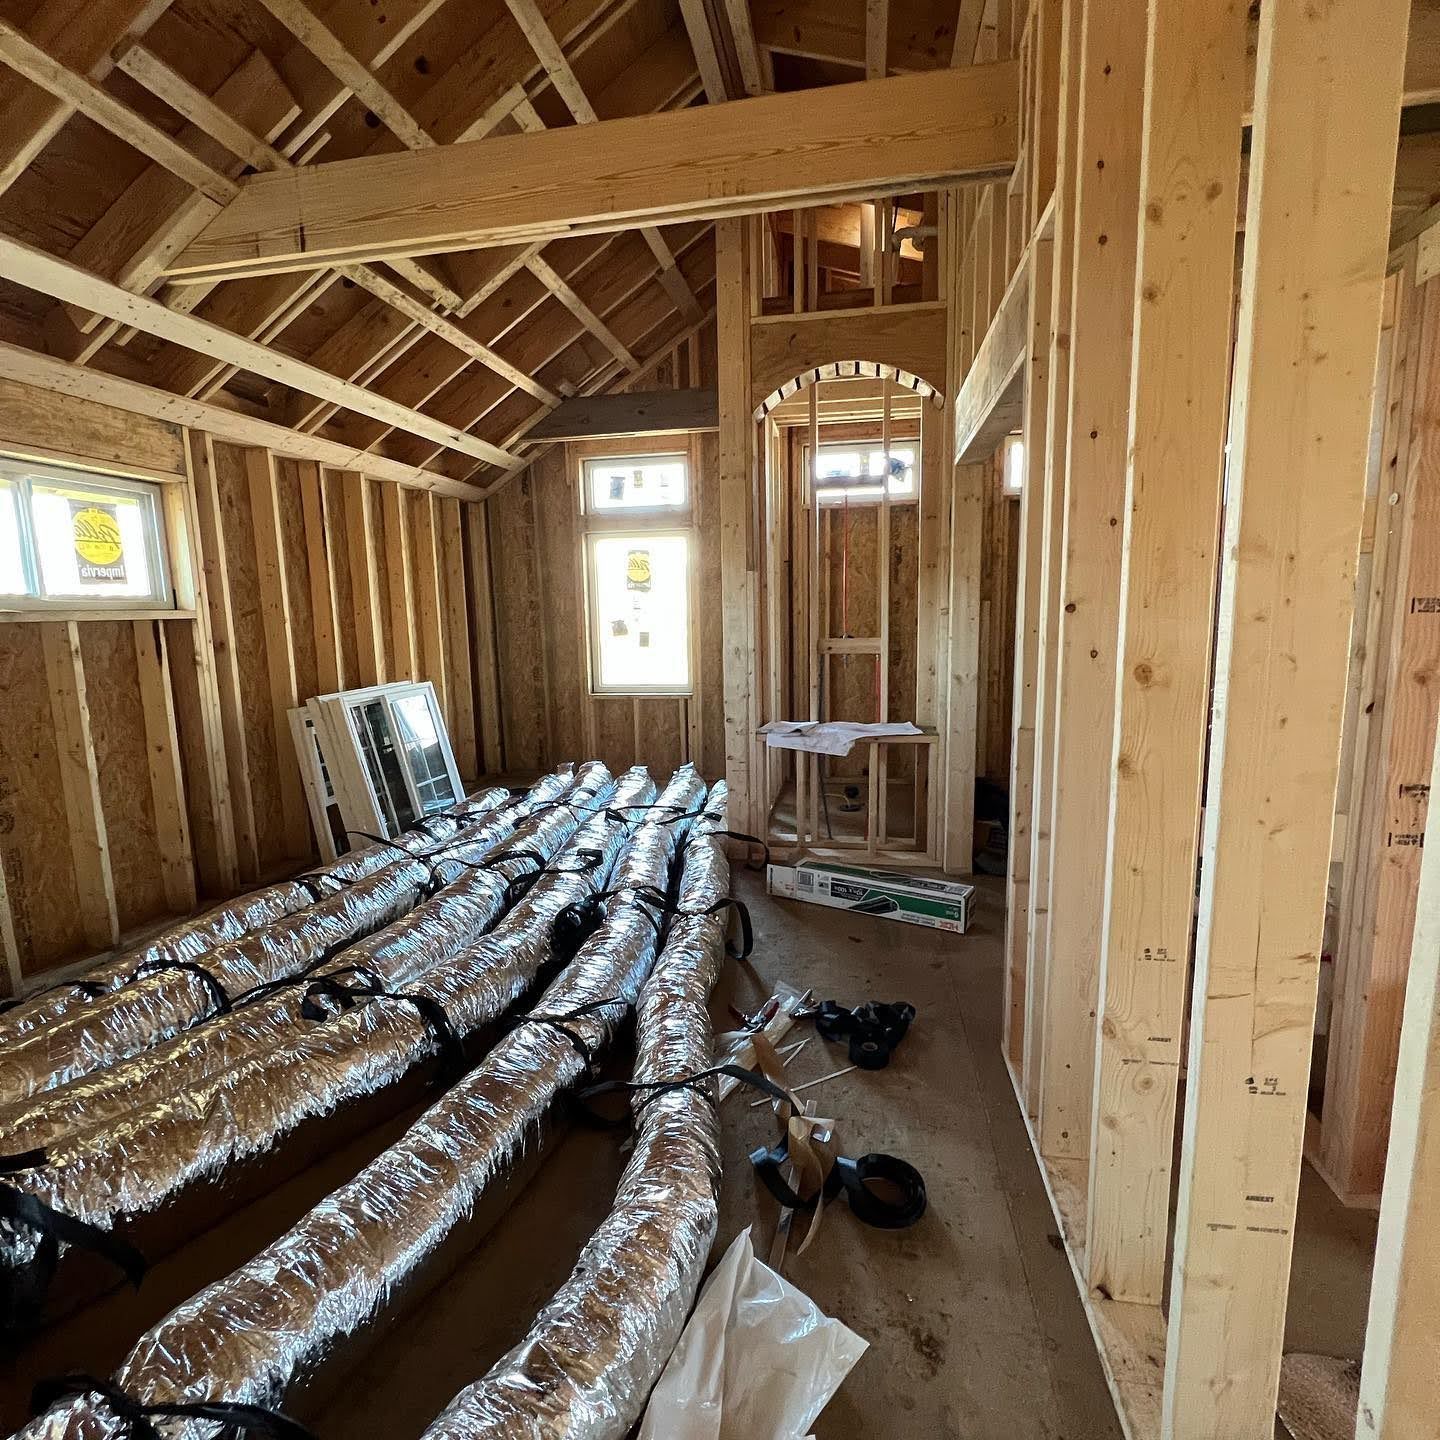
<point x="1014" y="451"/>
<point x="636" y="483"/>
<point x="637" y="558"/>
<point x="381" y="754"/>
<point x="856" y="471"/>
<point x="78" y="540"/>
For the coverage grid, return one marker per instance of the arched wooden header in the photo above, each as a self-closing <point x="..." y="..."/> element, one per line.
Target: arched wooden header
<point x="849" y="370"/>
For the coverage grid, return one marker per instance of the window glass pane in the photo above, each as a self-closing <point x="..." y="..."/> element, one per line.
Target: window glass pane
<point x="641" y="590"/>
<point x="1014" y="464"/>
<point x="12" y="552"/>
<point x="425" y="751"/>
<point x="637" y="482"/>
<point x="94" y="543"/>
<point x="856" y="471"/>
<point x="382" y="763"/>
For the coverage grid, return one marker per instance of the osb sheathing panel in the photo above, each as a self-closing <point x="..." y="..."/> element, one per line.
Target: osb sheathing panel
<point x="112" y="687"/>
<point x="520" y="651"/>
<point x="250" y="650"/>
<point x="98" y="433"/>
<point x="33" y="825"/>
<point x="297" y="575"/>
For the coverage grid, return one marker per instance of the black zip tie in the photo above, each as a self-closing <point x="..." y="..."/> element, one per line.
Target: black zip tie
<point x="55" y="1228"/>
<point x="670" y="909"/>
<point x="138" y="1416"/>
<point x="560" y="1023"/>
<point x="90" y="989"/>
<point x="432" y="1013"/>
<point x="218" y="993"/>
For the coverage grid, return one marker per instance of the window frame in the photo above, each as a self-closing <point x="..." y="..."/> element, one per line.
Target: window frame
<point x="628" y="514"/>
<point x="828" y="492"/>
<point x="598" y="689"/>
<point x="649" y="522"/>
<point x="352" y="786"/>
<point x="163" y="599"/>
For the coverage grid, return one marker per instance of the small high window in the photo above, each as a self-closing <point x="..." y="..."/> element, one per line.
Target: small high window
<point x="857" y="472"/>
<point x="75" y="540"/>
<point x="636" y="483"/>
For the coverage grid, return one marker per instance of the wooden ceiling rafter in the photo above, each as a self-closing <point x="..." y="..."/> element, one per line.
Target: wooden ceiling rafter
<point x="552" y="59"/>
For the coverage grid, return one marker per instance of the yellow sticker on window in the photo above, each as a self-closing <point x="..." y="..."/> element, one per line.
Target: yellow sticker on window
<point x="99" y="549"/>
<point x="637" y="570"/>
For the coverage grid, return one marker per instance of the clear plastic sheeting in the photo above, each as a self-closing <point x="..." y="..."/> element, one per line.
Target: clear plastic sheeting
<point x="759" y="1359"/>
<point x="146" y="1161"/>
<point x="455" y="916"/>
<point x="252" y="1336"/>
<point x="189" y="940"/>
<point x="589" y="1360"/>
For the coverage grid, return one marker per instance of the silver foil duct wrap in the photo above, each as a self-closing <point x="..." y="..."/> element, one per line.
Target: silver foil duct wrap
<point x="277" y="1320"/>
<point x="190" y="939"/>
<point x="593" y="1355"/>
<point x="153" y="1007"/>
<point x="436" y="928"/>
<point x="142" y="1166"/>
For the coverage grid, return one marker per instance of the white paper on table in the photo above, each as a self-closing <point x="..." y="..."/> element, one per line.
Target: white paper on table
<point x="758" y="1360"/>
<point x="830" y="737"/>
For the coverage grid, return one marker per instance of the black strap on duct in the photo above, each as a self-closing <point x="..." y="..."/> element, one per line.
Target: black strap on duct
<point x="55" y="1228"/>
<point x="88" y="988"/>
<point x="874" y="1030"/>
<point x="750" y="840"/>
<point x="561" y="1022"/>
<point x="139" y="1416"/>
<point x="861" y="1181"/>
<point x="649" y="1090"/>
<point x="345" y="995"/>
<point x="579" y="914"/>
<point x="219" y="996"/>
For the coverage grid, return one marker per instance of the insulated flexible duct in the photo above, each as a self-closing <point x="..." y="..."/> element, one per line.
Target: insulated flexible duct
<point x="136" y="1175"/>
<point x="277" y="1320"/>
<point x="454" y="917"/>
<point x="189" y="939"/>
<point x="594" y="1353"/>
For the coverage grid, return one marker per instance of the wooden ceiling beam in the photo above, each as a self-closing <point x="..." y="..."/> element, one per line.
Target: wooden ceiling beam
<point x="552" y="58"/>
<point x="25" y="265"/>
<point x="619" y="275"/>
<point x="26" y="58"/>
<point x="877" y="38"/>
<point x="706" y="49"/>
<point x="158" y="213"/>
<point x="879" y="136"/>
<point x="32" y="368"/>
<point x="747" y="51"/>
<point x="452" y="334"/>
<point x="77" y="34"/>
<point x="556" y="284"/>
<point x="350" y="71"/>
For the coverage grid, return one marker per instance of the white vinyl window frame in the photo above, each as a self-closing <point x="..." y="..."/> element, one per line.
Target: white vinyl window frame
<point x="20" y="478"/>
<point x="629" y="515"/>
<point x="631" y="535"/>
<point x="339" y="729"/>
<point x="639" y="524"/>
